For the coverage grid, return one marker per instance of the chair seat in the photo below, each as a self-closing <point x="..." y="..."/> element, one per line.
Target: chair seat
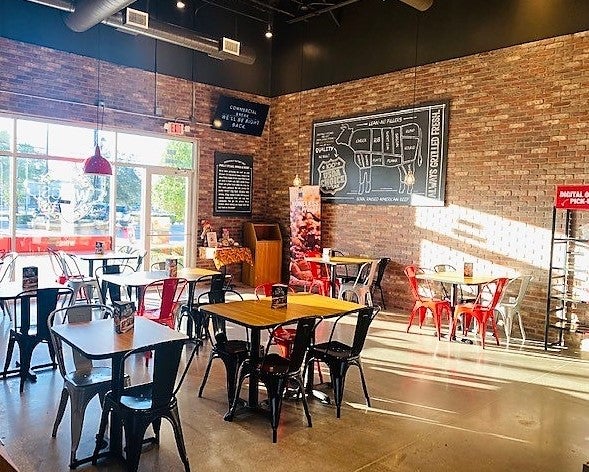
<point x="285" y="334"/>
<point x="234" y="346"/>
<point x="335" y="349"/>
<point x="86" y="378"/>
<point x="138" y="397"/>
<point x="275" y="364"/>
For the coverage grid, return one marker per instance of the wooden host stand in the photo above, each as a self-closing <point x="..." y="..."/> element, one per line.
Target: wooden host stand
<point x="265" y="243"/>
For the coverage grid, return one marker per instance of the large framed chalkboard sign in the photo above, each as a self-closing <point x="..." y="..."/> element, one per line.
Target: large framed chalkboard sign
<point x="233" y="184"/>
<point x="395" y="157"/>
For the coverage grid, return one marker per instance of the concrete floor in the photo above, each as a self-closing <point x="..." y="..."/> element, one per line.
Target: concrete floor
<point x="436" y="406"/>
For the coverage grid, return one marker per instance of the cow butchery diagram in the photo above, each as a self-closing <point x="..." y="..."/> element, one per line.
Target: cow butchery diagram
<point x="391" y="158"/>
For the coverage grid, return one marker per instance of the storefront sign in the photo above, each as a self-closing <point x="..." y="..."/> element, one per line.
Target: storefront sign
<point x="572" y="197"/>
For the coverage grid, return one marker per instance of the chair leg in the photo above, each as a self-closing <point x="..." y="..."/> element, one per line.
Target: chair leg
<point x="134" y="433"/>
<point x="384" y="307"/>
<point x="364" y="387"/>
<point x="206" y="376"/>
<point x="231" y="368"/>
<point x="60" y="410"/>
<point x="275" y="392"/>
<point x="242" y="375"/>
<point x="299" y="381"/>
<point x="174" y="418"/>
<point x="79" y="402"/>
<point x="338" y="374"/>
<point x="521" y="326"/>
<point x="156" y="424"/>
<point x="101" y="431"/>
<point x="9" y="353"/>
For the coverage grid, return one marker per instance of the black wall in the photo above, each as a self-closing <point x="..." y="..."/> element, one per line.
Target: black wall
<point x="32" y="23"/>
<point x="376" y="36"/>
<point x="373" y="37"/>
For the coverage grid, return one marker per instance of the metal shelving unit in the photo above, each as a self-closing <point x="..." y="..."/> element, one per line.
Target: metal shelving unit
<point x="567" y="302"/>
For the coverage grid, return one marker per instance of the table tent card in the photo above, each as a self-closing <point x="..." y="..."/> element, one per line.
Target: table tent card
<point x="172" y="267"/>
<point x="124" y="316"/>
<point x="279" y="295"/>
<point x="30" y="278"/>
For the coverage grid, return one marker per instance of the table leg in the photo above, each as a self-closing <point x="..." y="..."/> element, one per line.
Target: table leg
<point x="116" y="427"/>
<point x="189" y="323"/>
<point x="254" y="359"/>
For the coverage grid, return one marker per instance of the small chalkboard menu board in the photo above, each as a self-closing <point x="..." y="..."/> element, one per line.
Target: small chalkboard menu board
<point x="240" y="116"/>
<point x="233" y="185"/>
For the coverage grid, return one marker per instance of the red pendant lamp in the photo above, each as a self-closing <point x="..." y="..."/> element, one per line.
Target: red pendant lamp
<point x="97" y="165"/>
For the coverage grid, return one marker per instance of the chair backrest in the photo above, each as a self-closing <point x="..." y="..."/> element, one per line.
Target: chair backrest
<point x="70" y="266"/>
<point x="364" y="317"/>
<point x="7" y="267"/>
<point x="161" y="265"/>
<point x="47" y="300"/>
<point x="524" y="282"/>
<point x="165" y="370"/>
<point x="74" y="314"/>
<point x="490" y="294"/>
<point x="367" y="273"/>
<point x="112" y="290"/>
<point x="57" y="263"/>
<point x="169" y="290"/>
<point x="384" y="261"/>
<point x="216" y="294"/>
<point x="304" y="334"/>
<point x="411" y="272"/>
<point x="444" y="268"/>
<point x="133" y="251"/>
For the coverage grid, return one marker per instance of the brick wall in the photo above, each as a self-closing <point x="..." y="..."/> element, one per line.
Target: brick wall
<point x="518" y="127"/>
<point x="41" y="82"/>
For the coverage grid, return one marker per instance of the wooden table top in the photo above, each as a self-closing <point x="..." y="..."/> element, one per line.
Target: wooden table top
<point x="143" y="278"/>
<point x="341" y="260"/>
<point x="10" y="290"/>
<point x="457" y="278"/>
<point x="92" y="256"/>
<point x="259" y="314"/>
<point x="98" y="340"/>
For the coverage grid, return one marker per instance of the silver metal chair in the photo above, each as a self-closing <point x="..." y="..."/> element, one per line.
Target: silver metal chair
<point x="510" y="306"/>
<point x="82" y="381"/>
<point x="7" y="266"/>
<point x="359" y="291"/>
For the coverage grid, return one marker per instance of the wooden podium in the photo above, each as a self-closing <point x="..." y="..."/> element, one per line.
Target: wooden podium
<point x="265" y="243"/>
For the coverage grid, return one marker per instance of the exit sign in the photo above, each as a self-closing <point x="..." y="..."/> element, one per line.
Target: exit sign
<point x="175" y="128"/>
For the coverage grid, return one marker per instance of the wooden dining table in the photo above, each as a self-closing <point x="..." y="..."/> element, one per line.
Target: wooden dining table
<point x="139" y="280"/>
<point x="98" y="340"/>
<point x="334" y="261"/>
<point x="454" y="279"/>
<point x="258" y="315"/>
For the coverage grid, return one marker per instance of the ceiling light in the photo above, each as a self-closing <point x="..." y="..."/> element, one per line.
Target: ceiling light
<point x="180" y="4"/>
<point x="268" y="33"/>
<point x="96" y="164"/>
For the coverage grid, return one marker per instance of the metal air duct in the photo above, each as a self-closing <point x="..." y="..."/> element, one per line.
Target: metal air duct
<point x="157" y="30"/>
<point x="89" y="13"/>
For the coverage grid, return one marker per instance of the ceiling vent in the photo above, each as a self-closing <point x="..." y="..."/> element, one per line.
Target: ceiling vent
<point x="136" y="18"/>
<point x="230" y="46"/>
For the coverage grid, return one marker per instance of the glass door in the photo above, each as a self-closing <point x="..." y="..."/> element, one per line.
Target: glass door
<point x="168" y="200"/>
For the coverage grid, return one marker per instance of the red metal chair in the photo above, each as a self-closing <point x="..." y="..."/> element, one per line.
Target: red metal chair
<point x="482" y="309"/>
<point x="321" y="278"/>
<point x="161" y="299"/>
<point x="425" y="300"/>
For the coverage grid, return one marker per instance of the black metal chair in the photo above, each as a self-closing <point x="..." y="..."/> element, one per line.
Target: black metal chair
<point x="231" y="351"/>
<point x="376" y="284"/>
<point x="275" y="372"/>
<point x="339" y="356"/>
<point x="145" y="404"/>
<point x="341" y="271"/>
<point x="28" y="336"/>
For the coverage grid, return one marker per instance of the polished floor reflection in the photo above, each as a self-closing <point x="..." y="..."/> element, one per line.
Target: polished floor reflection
<point x="436" y="406"/>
